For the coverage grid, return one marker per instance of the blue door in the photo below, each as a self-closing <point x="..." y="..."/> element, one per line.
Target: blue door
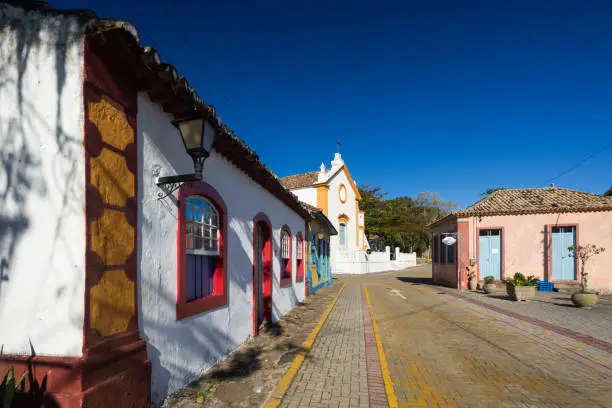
<point x="563" y="265"/>
<point x="490" y="253"/>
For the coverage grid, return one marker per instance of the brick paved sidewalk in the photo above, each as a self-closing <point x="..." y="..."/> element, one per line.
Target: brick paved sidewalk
<point x="248" y="376"/>
<point x="556" y="309"/>
<point x="443" y="352"/>
<point x="335" y="372"/>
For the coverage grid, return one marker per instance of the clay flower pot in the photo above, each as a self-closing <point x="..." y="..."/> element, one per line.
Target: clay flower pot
<point x="472" y="284"/>
<point x="490" y="287"/>
<point x="521" y="292"/>
<point x="585" y="300"/>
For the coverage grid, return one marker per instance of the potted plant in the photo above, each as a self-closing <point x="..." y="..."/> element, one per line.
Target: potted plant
<point x="472" y="281"/>
<point x="521" y="287"/>
<point x="489" y="284"/>
<point x="584" y="298"/>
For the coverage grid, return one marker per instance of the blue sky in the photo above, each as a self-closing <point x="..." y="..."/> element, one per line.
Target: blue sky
<point x="446" y="96"/>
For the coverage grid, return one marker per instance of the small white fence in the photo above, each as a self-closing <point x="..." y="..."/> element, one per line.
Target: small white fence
<point x="360" y="262"/>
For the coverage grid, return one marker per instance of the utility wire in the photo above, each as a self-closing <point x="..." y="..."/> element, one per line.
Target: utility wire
<point x="578" y="164"/>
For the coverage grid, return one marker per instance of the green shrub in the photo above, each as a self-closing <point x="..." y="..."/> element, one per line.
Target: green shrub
<point x="520" y="280"/>
<point x="488" y="280"/>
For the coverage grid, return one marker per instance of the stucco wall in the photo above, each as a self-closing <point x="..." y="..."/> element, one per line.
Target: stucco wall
<point x="181" y="350"/>
<point x="336" y="208"/>
<point x="42" y="179"/>
<point x="307" y="195"/>
<point x="524" y="238"/>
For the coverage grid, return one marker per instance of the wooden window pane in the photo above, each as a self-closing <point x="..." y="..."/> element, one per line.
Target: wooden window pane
<point x="200" y="276"/>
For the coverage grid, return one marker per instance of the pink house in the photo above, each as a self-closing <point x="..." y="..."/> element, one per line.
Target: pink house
<point x="525" y="230"/>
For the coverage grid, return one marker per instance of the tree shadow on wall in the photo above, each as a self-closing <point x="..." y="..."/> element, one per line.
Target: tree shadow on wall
<point x="34" y="171"/>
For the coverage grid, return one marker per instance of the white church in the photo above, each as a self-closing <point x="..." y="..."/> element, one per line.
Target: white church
<point x="335" y="192"/>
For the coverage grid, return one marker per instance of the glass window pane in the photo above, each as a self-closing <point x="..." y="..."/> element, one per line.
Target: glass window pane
<point x="202" y="224"/>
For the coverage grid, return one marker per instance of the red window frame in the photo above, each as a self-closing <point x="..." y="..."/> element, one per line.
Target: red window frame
<point x="299" y="263"/>
<point x="285" y="270"/>
<point x="219" y="297"/>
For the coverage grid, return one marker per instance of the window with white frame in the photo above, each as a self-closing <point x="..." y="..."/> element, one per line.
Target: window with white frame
<point x="202" y="227"/>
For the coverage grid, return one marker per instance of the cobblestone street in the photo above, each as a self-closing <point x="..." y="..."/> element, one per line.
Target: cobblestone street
<point x="441" y="350"/>
<point x="335" y="372"/>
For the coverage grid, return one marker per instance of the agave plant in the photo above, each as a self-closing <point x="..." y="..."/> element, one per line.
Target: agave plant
<point x="12" y="389"/>
<point x="9" y="386"/>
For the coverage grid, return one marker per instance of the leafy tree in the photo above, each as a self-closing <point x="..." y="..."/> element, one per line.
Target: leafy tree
<point x="401" y="221"/>
<point x="490" y="191"/>
<point x="609" y="192"/>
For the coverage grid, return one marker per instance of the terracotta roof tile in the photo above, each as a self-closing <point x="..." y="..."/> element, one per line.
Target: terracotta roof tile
<point x="537" y="200"/>
<point x="310" y="208"/>
<point x="180" y="98"/>
<point x="300" y="180"/>
<point x="317" y="214"/>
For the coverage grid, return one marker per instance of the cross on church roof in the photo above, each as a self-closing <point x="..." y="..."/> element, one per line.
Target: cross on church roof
<point x="338" y="143"/>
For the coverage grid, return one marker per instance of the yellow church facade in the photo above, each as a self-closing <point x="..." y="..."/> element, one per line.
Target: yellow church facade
<point x="334" y="191"/>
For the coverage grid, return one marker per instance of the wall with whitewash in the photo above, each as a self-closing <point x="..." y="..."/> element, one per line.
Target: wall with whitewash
<point x="336" y="208"/>
<point x="42" y="179"/>
<point x="307" y="195"/>
<point x="182" y="350"/>
<point x="374" y="262"/>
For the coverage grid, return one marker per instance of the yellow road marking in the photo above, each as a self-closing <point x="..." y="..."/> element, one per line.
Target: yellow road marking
<point x="287" y="379"/>
<point x="386" y="374"/>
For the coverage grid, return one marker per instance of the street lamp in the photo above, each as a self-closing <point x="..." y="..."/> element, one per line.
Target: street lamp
<point x="450" y="239"/>
<point x="198" y="133"/>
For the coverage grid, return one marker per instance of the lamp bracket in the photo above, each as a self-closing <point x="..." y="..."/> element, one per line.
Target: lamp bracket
<point x="170" y="184"/>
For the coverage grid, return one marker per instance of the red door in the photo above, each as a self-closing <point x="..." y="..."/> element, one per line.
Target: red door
<point x="262" y="274"/>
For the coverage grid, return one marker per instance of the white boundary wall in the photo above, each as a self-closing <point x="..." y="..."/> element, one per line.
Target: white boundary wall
<point x="361" y="262"/>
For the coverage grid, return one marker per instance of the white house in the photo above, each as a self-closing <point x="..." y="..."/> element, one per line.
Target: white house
<point x="126" y="289"/>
